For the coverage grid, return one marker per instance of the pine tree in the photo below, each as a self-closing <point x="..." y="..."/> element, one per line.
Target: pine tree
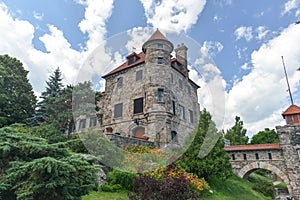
<point x="45" y="110"/>
<point x="237" y="134"/>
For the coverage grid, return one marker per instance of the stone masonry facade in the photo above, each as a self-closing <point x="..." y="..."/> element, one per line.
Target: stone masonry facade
<point x="150" y="96"/>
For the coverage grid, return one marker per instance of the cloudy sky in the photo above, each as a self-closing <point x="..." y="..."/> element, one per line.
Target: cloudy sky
<point x="244" y="41"/>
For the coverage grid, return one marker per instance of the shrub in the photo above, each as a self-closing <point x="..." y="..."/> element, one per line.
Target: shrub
<point x="265" y="188"/>
<point x="125" y="179"/>
<point x="110" y="188"/>
<point x="167" y="183"/>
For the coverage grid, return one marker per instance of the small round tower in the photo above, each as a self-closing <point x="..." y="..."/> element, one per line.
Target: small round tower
<point x="158" y="49"/>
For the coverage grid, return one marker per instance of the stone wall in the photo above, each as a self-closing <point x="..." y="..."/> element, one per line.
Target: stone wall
<point x="122" y="141"/>
<point x="289" y="138"/>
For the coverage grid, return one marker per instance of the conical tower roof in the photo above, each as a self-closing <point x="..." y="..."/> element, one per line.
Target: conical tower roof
<point x="157" y="35"/>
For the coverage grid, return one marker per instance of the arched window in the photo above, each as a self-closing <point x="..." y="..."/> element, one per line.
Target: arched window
<point x="174" y="136"/>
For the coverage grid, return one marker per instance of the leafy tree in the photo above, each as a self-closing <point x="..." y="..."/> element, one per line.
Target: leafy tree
<point x="30" y="168"/>
<point x="237" y="134"/>
<point x="17" y="99"/>
<point x="265" y="137"/>
<point x="216" y="161"/>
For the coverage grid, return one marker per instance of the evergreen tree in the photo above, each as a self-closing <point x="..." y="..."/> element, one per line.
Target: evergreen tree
<point x="45" y="110"/>
<point x="237" y="134"/>
<point x="30" y="168"/>
<point x="17" y="99"/>
<point x="265" y="137"/>
<point x="216" y="162"/>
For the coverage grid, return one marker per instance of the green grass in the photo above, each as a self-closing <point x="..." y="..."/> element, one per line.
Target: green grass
<point x="258" y="177"/>
<point x="232" y="189"/>
<point x="106" y="196"/>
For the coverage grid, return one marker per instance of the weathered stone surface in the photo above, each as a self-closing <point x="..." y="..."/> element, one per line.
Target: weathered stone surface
<point x="284" y="163"/>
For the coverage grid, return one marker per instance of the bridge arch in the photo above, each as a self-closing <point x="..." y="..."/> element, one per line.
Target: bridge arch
<point x="248" y="169"/>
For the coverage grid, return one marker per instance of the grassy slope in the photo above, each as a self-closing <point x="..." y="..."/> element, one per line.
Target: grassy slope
<point x="232" y="189"/>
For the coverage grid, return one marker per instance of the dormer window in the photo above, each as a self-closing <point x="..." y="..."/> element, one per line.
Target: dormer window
<point x="131" y="60"/>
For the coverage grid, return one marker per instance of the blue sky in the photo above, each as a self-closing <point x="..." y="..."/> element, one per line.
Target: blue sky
<point x="244" y="40"/>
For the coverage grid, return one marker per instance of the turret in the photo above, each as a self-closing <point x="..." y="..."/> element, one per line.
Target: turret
<point x="158" y="49"/>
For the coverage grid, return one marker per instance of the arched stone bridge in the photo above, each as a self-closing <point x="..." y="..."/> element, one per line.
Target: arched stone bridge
<point x="283" y="159"/>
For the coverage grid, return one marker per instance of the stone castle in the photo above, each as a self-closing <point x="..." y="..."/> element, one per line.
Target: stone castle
<point x="150" y="96"/>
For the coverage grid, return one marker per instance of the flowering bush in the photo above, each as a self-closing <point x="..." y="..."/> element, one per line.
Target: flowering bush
<point x="171" y="182"/>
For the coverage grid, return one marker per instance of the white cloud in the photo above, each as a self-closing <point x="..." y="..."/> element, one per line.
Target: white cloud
<point x="173" y="15"/>
<point x="261" y="32"/>
<point x="245" y="66"/>
<point x="290" y="5"/>
<point x="260" y="96"/>
<point x="17" y="35"/>
<point x="138" y="36"/>
<point x="38" y="16"/>
<point x="94" y="20"/>
<point x="244" y="32"/>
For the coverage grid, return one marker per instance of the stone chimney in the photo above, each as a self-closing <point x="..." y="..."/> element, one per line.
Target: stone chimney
<point x="181" y="56"/>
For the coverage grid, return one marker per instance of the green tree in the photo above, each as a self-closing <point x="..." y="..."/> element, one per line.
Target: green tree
<point x="30" y="168"/>
<point x="216" y="162"/>
<point x="17" y="99"/>
<point x="237" y="134"/>
<point x="45" y="110"/>
<point x="265" y="137"/>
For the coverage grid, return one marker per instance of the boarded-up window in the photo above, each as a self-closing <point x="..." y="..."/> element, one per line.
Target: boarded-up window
<point x="139" y="75"/>
<point x="138" y="106"/>
<point x="118" y="111"/>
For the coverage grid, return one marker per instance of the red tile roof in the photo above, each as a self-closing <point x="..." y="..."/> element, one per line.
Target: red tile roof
<point x="125" y="64"/>
<point x="292" y="109"/>
<point x="250" y="147"/>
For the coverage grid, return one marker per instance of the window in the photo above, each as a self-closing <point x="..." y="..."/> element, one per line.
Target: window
<point x="191" y="116"/>
<point x="256" y="156"/>
<point x="138" y="106"/>
<point x="120" y="82"/>
<point x="131" y="60"/>
<point x="159" y="60"/>
<point x="232" y="156"/>
<point x="160" y="94"/>
<point x="270" y="156"/>
<point x="93" y="121"/>
<point x="174" y="137"/>
<point x="139" y="75"/>
<point x="118" y="111"/>
<point x="160" y="46"/>
<point x="82" y="123"/>
<point x="298" y="151"/>
<point x="181" y="112"/>
<point x="172" y="78"/>
<point x="189" y="90"/>
<point x="245" y="156"/>
<point x="174" y="107"/>
<point x="180" y="84"/>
